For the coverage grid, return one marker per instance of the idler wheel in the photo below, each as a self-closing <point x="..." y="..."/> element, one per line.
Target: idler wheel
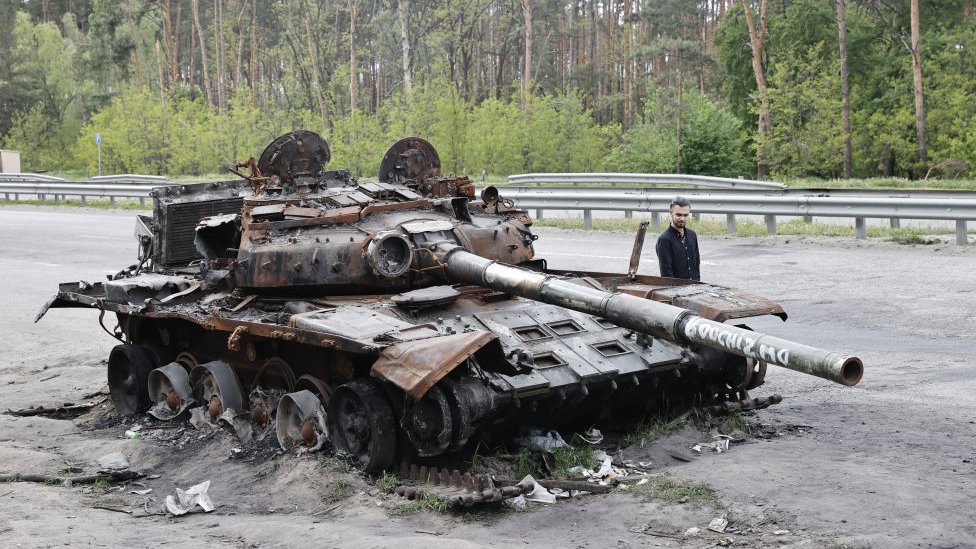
<point x="428" y="423"/>
<point x="361" y="423"/>
<point x="299" y="421"/>
<point x="128" y="377"/>
<point x="311" y="383"/>
<point x="215" y="384"/>
<point x="275" y="372"/>
<point x="169" y="390"/>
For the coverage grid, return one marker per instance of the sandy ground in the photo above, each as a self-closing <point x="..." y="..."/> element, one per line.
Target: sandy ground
<point x="885" y="464"/>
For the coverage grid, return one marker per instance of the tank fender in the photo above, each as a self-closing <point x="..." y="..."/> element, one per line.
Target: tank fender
<point x="416" y="366"/>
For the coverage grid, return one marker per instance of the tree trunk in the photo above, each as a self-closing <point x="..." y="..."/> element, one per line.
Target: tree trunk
<point x="353" y="64"/>
<point x="313" y="54"/>
<point x="239" y="62"/>
<point x="917" y="80"/>
<point x="195" y="7"/>
<point x="844" y="90"/>
<point x="403" y="6"/>
<point x="757" y="37"/>
<point x="628" y="65"/>
<point x="219" y="40"/>
<point x="527" y="7"/>
<point x="254" y="52"/>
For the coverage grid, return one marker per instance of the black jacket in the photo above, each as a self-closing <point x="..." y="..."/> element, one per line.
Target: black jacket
<point x="678" y="259"/>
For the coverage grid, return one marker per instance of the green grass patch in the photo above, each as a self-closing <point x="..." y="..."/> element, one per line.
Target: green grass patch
<point x="96" y="203"/>
<point x="567" y="457"/>
<point x="101" y="484"/>
<point x="336" y="464"/>
<point x="525" y="464"/>
<point x="735" y="421"/>
<point x="646" y="432"/>
<point x="341" y="489"/>
<point x="387" y="482"/>
<point x="426" y="502"/>
<point x="666" y="487"/>
<point x="793" y="227"/>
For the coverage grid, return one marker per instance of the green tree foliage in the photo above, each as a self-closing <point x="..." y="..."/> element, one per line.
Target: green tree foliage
<point x="802" y="93"/>
<point x="49" y="119"/>
<point x="134" y="70"/>
<point x="712" y="142"/>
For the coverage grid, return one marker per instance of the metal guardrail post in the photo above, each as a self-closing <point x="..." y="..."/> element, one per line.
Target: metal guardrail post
<point x="771" y="224"/>
<point x="587" y="218"/>
<point x="629" y="214"/>
<point x="730" y="223"/>
<point x="538" y="213"/>
<point x="895" y="223"/>
<point x="962" y="236"/>
<point x="655" y="220"/>
<point x="860" y="228"/>
<point x="84" y="200"/>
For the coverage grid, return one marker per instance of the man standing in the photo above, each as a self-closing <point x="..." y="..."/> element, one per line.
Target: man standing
<point x="677" y="247"/>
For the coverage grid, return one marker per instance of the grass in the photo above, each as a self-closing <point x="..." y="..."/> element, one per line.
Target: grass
<point x="96" y="203"/>
<point x="101" y="484"/>
<point x="387" y="482"/>
<point x="665" y="487"/>
<point x="341" y="490"/>
<point x="735" y="421"/>
<point x="566" y="458"/>
<point x="649" y="430"/>
<point x="335" y="464"/>
<point x="794" y="227"/>
<point x="426" y="502"/>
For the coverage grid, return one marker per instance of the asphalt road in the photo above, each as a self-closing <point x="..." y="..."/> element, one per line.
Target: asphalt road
<point x="888" y="463"/>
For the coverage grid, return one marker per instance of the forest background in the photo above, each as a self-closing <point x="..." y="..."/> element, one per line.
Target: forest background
<point x="767" y="88"/>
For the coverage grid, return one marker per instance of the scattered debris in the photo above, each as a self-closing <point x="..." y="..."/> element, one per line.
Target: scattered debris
<point x="536" y="441"/>
<point x="539" y="493"/>
<point x="718" y="525"/>
<point x="67" y="410"/>
<point x="186" y="500"/>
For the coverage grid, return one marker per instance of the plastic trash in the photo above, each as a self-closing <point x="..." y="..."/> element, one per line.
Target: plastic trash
<point x="537" y="441"/>
<point x="539" y="494"/>
<point x="186" y="500"/>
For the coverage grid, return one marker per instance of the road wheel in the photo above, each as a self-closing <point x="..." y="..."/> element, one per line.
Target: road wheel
<point x="128" y="378"/>
<point x="361" y="423"/>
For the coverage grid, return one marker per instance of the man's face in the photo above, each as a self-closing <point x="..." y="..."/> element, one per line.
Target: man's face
<point x="679" y="216"/>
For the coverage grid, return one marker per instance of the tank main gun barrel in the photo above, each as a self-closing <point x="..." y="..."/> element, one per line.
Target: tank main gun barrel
<point x="647" y="316"/>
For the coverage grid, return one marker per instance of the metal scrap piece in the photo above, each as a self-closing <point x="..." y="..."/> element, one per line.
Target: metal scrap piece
<point x="455" y="489"/>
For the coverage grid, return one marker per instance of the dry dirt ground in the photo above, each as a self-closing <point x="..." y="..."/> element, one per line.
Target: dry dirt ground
<point x="885" y="464"/>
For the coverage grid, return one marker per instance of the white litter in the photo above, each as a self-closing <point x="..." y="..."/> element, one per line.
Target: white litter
<point x="186" y="500"/>
<point x="718" y="525"/>
<point x="141" y="492"/>
<point x="539" y="494"/>
<point x="537" y="441"/>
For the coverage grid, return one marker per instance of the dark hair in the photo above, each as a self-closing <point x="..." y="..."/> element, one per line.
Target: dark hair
<point x="680" y="201"/>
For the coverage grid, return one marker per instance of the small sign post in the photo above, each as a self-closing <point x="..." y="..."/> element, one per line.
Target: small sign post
<point x="98" y="141"/>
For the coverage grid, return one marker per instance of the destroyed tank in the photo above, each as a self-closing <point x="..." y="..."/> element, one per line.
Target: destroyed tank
<point x="405" y="318"/>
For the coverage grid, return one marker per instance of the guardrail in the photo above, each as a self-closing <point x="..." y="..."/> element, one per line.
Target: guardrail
<point x="895" y="205"/>
<point x="644" y="179"/>
<point x="960" y="210"/>
<point x="84" y="190"/>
